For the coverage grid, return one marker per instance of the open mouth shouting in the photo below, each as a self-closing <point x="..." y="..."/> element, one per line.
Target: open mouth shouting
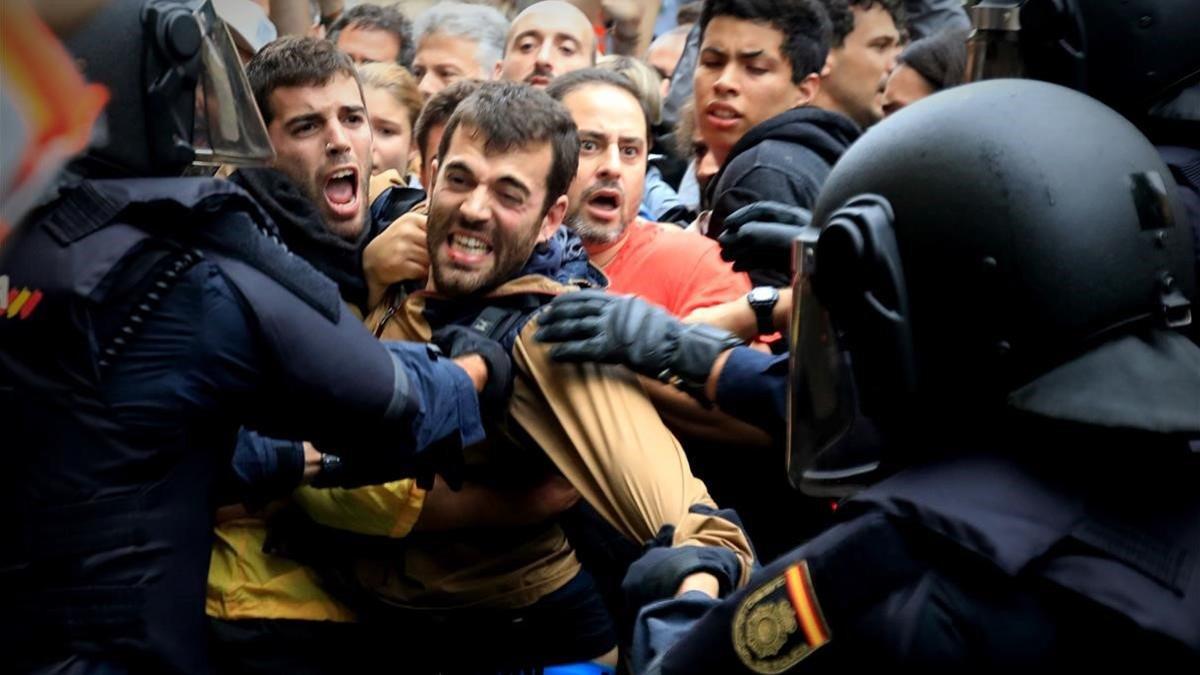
<point x="468" y="249"/>
<point x="722" y="116"/>
<point x="603" y="203"/>
<point x="341" y="193"/>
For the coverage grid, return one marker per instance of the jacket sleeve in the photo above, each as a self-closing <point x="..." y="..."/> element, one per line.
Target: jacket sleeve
<point x="393" y="409"/>
<point x="598" y="427"/>
<point x="753" y="388"/>
<point x="265" y="469"/>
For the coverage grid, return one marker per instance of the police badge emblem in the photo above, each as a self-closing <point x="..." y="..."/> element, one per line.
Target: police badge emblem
<point x="780" y="623"/>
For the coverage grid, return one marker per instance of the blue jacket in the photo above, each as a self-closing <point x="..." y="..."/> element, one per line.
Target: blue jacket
<point x="168" y="316"/>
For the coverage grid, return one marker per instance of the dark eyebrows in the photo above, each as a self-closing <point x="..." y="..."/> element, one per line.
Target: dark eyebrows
<point x="305" y="118"/>
<point x="514" y="182"/>
<point x="753" y="54"/>
<point x="347" y="109"/>
<point x="586" y="135"/>
<point x="459" y="165"/>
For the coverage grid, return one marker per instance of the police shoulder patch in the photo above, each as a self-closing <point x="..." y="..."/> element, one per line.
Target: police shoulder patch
<point x="779" y="623"/>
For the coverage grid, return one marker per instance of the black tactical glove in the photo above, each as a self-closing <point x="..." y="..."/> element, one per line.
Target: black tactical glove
<point x="759" y="236"/>
<point x="456" y="341"/>
<point x="595" y="326"/>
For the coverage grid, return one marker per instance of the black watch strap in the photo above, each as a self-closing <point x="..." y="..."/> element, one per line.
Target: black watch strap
<point x="763" y="300"/>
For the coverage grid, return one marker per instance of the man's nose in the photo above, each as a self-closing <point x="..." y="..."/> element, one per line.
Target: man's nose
<point x="337" y="141"/>
<point x="477" y="205"/>
<point x="610" y="165"/>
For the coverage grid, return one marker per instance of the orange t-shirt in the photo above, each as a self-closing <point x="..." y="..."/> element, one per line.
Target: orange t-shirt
<point x="677" y="270"/>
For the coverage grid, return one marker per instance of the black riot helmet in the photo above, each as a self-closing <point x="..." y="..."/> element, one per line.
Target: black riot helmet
<point x="1006" y="249"/>
<point x="1136" y="56"/>
<point x="178" y="92"/>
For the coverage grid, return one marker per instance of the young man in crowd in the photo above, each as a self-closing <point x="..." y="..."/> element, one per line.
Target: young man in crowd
<point x="496" y="252"/>
<point x="757" y="76"/>
<point x="866" y="42"/>
<point x="456" y="41"/>
<point x="398" y="254"/>
<point x="268" y="613"/>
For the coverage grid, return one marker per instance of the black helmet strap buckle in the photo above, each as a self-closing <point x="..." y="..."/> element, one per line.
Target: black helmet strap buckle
<point x="1175" y="310"/>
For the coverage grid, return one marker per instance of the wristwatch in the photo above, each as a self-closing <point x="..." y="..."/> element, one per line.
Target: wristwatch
<point x="762" y="300"/>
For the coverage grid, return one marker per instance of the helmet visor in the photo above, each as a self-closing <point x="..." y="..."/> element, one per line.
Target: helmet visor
<point x="229" y="128"/>
<point x="821" y="397"/>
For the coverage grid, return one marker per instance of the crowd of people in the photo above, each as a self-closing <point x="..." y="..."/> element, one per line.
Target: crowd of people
<point x="487" y="337"/>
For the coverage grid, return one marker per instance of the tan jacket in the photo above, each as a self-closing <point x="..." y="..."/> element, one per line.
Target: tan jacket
<point x="597" y="426"/>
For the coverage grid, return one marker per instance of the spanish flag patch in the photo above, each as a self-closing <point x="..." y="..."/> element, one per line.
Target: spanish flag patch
<point x="779" y="623"/>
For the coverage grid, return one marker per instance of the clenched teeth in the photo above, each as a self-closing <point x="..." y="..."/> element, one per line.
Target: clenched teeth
<point x="469" y="243"/>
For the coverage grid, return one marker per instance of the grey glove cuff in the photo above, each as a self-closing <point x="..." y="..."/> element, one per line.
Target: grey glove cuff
<point x="697" y="349"/>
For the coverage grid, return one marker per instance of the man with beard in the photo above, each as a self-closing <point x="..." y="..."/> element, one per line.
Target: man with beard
<point x="269" y="613"/>
<point x="546" y="40"/>
<point x="497" y="253"/>
<point x="677" y="270"/>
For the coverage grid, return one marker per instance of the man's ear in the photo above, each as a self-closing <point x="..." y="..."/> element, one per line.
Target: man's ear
<point x="553" y="219"/>
<point x="807" y="90"/>
<point x="433" y="171"/>
<point x="497" y="68"/>
<point x="830" y="63"/>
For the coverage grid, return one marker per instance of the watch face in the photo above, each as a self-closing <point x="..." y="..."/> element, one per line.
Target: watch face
<point x="761" y="294"/>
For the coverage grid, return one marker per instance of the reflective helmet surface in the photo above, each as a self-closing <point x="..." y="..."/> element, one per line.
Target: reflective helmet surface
<point x="178" y="92"/>
<point x="1032" y="225"/>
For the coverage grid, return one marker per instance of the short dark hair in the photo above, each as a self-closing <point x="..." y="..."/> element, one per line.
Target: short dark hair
<point x="940" y="58"/>
<point x="438" y="110"/>
<point x="513" y="115"/>
<point x="562" y="86"/>
<point x="295" y="61"/>
<point x="377" y="17"/>
<point x="804" y="24"/>
<point x="842" y="18"/>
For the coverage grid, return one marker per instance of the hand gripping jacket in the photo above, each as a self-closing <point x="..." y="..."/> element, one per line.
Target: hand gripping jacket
<point x="169" y="316"/>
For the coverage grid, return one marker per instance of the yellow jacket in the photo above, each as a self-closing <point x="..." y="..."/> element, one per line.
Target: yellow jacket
<point x="246" y="583"/>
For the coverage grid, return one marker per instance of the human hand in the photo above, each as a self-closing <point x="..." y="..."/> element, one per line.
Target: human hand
<point x="398" y="254"/>
<point x="759" y="236"/>
<point x="459" y="341"/>
<point x="596" y="326"/>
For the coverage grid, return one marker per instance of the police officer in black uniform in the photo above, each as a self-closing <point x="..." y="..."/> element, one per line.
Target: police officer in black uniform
<point x="999" y="282"/>
<point x="158" y="314"/>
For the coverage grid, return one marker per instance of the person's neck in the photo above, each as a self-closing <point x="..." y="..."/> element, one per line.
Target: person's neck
<point x="602" y="253"/>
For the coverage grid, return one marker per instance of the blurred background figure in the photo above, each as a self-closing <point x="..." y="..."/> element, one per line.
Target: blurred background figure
<point x="47" y="110"/>
<point x="456" y="41"/>
<point x="393" y="104"/>
<point x="925" y="67"/>
<point x="374" y="33"/>
<point x="663" y="54"/>
<point x="249" y="25"/>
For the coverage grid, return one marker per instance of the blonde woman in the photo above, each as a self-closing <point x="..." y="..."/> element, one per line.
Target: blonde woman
<point x="393" y="104"/>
